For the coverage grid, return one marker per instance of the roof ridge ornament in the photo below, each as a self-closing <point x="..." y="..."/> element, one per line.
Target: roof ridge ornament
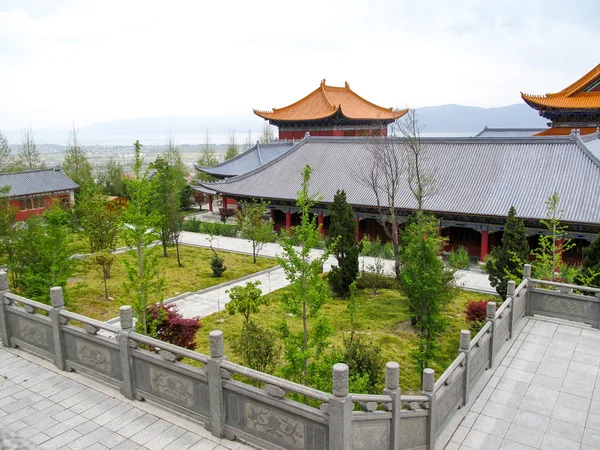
<point x="346" y="85"/>
<point x="323" y="82"/>
<point x="306" y="135"/>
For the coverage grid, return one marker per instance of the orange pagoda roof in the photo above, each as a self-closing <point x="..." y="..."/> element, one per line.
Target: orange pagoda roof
<point x="327" y="101"/>
<point x="565" y="131"/>
<point x="583" y="94"/>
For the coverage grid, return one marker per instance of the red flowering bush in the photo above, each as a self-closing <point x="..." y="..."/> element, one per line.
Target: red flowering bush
<point x="476" y="311"/>
<point x="170" y="326"/>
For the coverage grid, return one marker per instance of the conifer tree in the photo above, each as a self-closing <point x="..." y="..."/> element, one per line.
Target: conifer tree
<point x="342" y="232"/>
<point x="76" y="165"/>
<point x="506" y="261"/>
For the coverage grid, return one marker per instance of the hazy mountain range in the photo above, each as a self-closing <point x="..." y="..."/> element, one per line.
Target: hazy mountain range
<point x="451" y="119"/>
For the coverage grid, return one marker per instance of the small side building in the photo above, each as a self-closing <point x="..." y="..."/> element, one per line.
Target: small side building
<point x="33" y="191"/>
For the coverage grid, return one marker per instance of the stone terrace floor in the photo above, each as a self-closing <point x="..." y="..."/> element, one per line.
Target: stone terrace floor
<point x="545" y="394"/>
<point x="55" y="409"/>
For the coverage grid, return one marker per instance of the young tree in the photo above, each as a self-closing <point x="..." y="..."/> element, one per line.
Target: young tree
<point x="173" y="155"/>
<point x="208" y="158"/>
<point x="232" y="150"/>
<point x="8" y="232"/>
<point x="76" y="165"/>
<point x="103" y="261"/>
<point x="112" y="179"/>
<point x="426" y="282"/>
<point x="254" y="228"/>
<point x="506" y="260"/>
<point x="267" y="134"/>
<point x="166" y="202"/>
<point x="99" y="221"/>
<point x="308" y="291"/>
<point x="591" y="263"/>
<point x="7" y="161"/>
<point x="249" y="142"/>
<point x="29" y="158"/>
<point x="551" y="246"/>
<point x="420" y="181"/>
<point x="144" y="283"/>
<point x="342" y="235"/>
<point x="258" y="348"/>
<point x="246" y="300"/>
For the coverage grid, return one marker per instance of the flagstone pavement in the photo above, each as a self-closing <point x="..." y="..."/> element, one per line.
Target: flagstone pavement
<point x="544" y="394"/>
<point x="65" y="410"/>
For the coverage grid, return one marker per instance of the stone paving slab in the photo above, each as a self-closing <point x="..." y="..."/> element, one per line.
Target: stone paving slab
<point x="67" y="410"/>
<point x="544" y="394"/>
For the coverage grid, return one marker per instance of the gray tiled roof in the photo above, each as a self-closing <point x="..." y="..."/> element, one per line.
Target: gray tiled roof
<point x="473" y="176"/>
<point x="37" y="182"/>
<point x="249" y="160"/>
<point x="508" y="132"/>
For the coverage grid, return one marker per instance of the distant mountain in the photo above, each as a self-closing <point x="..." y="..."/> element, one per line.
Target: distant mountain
<point x="472" y="119"/>
<point x="445" y="119"/>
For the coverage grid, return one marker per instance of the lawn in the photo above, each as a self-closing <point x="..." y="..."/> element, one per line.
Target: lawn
<point x="383" y="317"/>
<point x="87" y="296"/>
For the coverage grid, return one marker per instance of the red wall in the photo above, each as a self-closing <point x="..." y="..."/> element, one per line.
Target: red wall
<point x="299" y="134"/>
<point x="22" y="215"/>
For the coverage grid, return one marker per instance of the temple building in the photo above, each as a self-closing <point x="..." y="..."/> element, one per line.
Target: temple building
<point x="575" y="107"/>
<point x="331" y="111"/>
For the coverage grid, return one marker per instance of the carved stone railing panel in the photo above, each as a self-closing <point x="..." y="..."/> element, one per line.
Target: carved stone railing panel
<point x="413" y="432"/>
<point x="562" y="305"/>
<point x="449" y="398"/>
<point x="31" y="331"/>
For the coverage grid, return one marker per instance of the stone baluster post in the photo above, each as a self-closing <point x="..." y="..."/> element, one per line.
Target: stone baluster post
<point x="4" y="326"/>
<point x="428" y="390"/>
<point x="125" y="345"/>
<point x="392" y="388"/>
<point x="215" y="389"/>
<point x="527" y="276"/>
<point x="511" y="288"/>
<point x="491" y="317"/>
<point x="340" y="410"/>
<point x="465" y="348"/>
<point x="58" y="338"/>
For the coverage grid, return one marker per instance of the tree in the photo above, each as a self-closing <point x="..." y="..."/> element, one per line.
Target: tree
<point x="308" y="291"/>
<point x="99" y="220"/>
<point x="591" y="262"/>
<point x="426" y="282"/>
<point x="267" y="134"/>
<point x="8" y="232"/>
<point x="385" y="176"/>
<point x="249" y="142"/>
<point x="506" y="260"/>
<point x="258" y="348"/>
<point x="173" y="155"/>
<point x="76" y="165"/>
<point x="232" y="149"/>
<point x="112" y="179"/>
<point x="208" y="158"/>
<point x="167" y="184"/>
<point x="342" y="235"/>
<point x="144" y="283"/>
<point x="43" y="256"/>
<point x="420" y="182"/>
<point x="29" y="158"/>
<point x="103" y="261"/>
<point x="7" y="162"/>
<point x="254" y="228"/>
<point x="246" y="299"/>
<point x="551" y="246"/>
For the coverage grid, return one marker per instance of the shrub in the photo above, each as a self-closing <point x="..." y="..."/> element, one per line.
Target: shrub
<point x="170" y="326"/>
<point x="363" y="357"/>
<point x="218" y="229"/>
<point x="258" y="347"/>
<point x="376" y="248"/>
<point x="226" y="214"/>
<point x="200" y="198"/>
<point x="217" y="266"/>
<point x="459" y="259"/>
<point x="475" y="314"/>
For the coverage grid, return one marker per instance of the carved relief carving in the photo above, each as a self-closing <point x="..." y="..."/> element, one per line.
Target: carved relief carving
<point x="370" y="437"/>
<point x="93" y="355"/>
<point x="177" y="389"/>
<point x="275" y="425"/>
<point x="564" y="306"/>
<point x="34" y="334"/>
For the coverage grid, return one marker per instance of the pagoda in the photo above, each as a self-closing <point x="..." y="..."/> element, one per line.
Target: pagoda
<point x="331" y="111"/>
<point x="575" y="107"/>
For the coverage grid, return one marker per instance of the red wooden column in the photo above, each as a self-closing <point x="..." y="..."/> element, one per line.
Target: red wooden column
<point x="484" y="244"/>
<point x="210" y="203"/>
<point x="239" y="216"/>
<point x="224" y="202"/>
<point x="288" y="221"/>
<point x="320" y="219"/>
<point x="273" y="214"/>
<point x="357" y="220"/>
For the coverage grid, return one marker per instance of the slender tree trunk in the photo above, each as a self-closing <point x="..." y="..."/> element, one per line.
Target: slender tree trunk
<point x="177" y="250"/>
<point x="105" y="287"/>
<point x="305" y="342"/>
<point x="142" y="287"/>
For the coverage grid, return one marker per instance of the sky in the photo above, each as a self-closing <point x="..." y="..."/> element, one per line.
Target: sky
<point x="84" y="61"/>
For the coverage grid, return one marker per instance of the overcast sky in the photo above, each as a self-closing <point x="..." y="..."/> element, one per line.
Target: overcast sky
<point x="88" y="61"/>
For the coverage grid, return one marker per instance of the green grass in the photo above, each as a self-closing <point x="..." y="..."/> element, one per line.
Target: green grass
<point x="81" y="246"/>
<point x="382" y="317"/>
<point x="87" y="297"/>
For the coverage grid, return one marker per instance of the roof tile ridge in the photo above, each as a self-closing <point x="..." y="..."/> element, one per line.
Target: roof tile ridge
<point x="581" y="83"/>
<point x="306" y="97"/>
<point x="576" y="137"/>
<point x="324" y="93"/>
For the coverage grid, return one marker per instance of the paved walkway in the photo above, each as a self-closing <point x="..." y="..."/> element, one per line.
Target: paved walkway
<point x="65" y="410"/>
<point x="545" y="394"/>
